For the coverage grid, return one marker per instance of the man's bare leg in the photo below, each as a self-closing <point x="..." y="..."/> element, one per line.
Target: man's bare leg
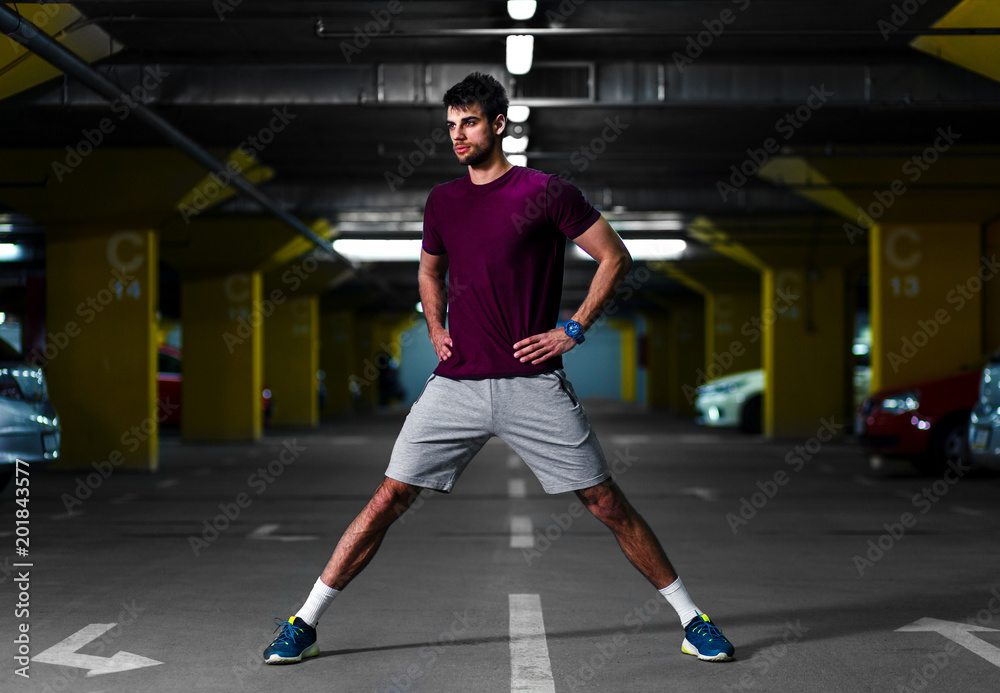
<point x="643" y="550"/>
<point x="355" y="550"/>
<point x="637" y="541"/>
<point x="363" y="537"/>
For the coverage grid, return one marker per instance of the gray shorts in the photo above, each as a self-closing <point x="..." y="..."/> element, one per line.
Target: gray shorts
<point x="539" y="416"/>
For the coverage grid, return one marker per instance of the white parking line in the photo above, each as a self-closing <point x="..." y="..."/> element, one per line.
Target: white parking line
<point x="517" y="488"/>
<point x="513" y="461"/>
<point x="167" y="483"/>
<point x="706" y="494"/>
<point x="521" y="529"/>
<point x="530" y="669"/>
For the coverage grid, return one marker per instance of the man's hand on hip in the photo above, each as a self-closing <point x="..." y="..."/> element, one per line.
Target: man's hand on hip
<point x="541" y="347"/>
<point x="443" y="345"/>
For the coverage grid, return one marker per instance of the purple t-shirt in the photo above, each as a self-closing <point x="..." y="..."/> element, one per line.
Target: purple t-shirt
<point x="506" y="243"/>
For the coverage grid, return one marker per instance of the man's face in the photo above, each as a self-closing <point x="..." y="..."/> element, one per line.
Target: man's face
<point x="472" y="135"/>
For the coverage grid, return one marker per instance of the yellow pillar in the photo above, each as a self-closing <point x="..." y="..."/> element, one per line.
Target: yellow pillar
<point x="729" y="314"/>
<point x="686" y="352"/>
<point x="222" y="322"/>
<point x="926" y="301"/>
<point x="629" y="358"/>
<point x="338" y="354"/>
<point x="991" y="293"/>
<point x="291" y="361"/>
<point x="803" y="329"/>
<point x="657" y="360"/>
<point x="100" y="351"/>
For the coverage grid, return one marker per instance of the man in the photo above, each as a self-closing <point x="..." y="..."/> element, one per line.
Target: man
<point x="501" y="232"/>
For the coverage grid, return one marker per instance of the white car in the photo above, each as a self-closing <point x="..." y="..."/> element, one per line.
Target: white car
<point x="734" y="400"/>
<point x="29" y="427"/>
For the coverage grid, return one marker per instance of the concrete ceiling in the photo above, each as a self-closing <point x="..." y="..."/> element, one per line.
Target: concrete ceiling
<point x="624" y="100"/>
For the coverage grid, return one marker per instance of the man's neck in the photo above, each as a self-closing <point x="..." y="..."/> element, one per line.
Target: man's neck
<point x="491" y="170"/>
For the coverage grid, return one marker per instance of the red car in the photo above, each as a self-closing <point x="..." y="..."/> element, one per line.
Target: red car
<point x="926" y="423"/>
<point x="168" y="386"/>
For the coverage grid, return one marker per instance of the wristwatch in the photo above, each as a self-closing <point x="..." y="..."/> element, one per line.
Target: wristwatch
<point x="575" y="330"/>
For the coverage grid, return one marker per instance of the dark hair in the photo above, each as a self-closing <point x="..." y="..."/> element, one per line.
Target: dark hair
<point x="482" y="89"/>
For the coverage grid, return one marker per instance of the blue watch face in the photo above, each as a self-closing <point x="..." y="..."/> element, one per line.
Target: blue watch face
<point x="573" y="328"/>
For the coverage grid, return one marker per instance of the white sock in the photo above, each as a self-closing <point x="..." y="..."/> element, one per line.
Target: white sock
<point x="319" y="599"/>
<point x="678" y="596"/>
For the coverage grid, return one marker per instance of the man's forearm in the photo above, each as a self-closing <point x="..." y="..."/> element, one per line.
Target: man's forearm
<point x="608" y="278"/>
<point x="433" y="297"/>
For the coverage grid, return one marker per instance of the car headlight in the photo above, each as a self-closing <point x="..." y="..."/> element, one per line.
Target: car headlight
<point x="901" y="402"/>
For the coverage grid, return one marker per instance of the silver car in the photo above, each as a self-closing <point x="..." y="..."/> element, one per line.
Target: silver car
<point x="29" y="426"/>
<point x="984" y="422"/>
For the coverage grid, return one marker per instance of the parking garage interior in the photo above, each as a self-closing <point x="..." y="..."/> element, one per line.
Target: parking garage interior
<point x="210" y="225"/>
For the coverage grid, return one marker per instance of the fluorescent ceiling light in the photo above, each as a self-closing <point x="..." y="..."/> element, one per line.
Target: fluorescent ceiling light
<point x="519" y="51"/>
<point x="646" y="249"/>
<point x="6" y="227"/>
<point x="378" y="226"/>
<point x="515" y="145"/>
<point x="521" y="9"/>
<point x="378" y="249"/>
<point x="648" y="224"/>
<point x="11" y="252"/>
<point x="518" y="159"/>
<point x="518" y="114"/>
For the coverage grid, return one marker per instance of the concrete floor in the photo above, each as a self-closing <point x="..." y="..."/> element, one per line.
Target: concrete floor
<point x="793" y="582"/>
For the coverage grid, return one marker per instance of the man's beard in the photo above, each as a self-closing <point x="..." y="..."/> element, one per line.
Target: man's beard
<point x="476" y="156"/>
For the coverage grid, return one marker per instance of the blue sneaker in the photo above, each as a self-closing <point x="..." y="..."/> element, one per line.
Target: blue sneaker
<point x="296" y="640"/>
<point x="704" y="640"/>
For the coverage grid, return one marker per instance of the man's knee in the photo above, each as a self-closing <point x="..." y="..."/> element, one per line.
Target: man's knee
<point x="392" y="498"/>
<point x="606" y="502"/>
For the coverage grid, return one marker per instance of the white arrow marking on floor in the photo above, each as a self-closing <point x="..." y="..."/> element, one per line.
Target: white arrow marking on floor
<point x="517" y="488"/>
<point x="267" y="532"/>
<point x="521" y="528"/>
<point x="530" y="669"/>
<point x="706" y="494"/>
<point x="960" y="633"/>
<point x="65" y="653"/>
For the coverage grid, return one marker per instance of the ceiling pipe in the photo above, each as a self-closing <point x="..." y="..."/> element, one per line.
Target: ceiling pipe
<point x="50" y="50"/>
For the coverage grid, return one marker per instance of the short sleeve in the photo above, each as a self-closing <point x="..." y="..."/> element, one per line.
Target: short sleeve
<point x="431" y="238"/>
<point x="567" y="208"/>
